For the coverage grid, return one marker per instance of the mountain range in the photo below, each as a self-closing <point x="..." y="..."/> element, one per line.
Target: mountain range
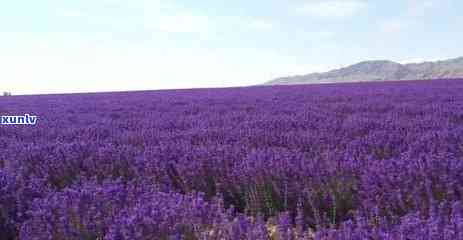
<point x="381" y="70"/>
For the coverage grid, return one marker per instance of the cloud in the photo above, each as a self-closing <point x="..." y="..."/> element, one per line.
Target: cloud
<point x="419" y="8"/>
<point x="188" y="22"/>
<point x="415" y="11"/>
<point x="55" y="68"/>
<point x="412" y="60"/>
<point x="184" y="23"/>
<point x="166" y="17"/>
<point x="419" y="60"/>
<point x="70" y="13"/>
<point x="260" y="24"/>
<point x="332" y="8"/>
<point x="394" y="25"/>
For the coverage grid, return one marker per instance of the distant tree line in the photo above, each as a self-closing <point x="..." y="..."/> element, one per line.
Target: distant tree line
<point x="5" y="94"/>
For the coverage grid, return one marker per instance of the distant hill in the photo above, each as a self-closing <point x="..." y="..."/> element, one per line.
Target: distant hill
<point x="382" y="70"/>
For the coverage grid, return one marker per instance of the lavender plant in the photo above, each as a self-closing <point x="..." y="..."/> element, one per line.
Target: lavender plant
<point x="347" y="161"/>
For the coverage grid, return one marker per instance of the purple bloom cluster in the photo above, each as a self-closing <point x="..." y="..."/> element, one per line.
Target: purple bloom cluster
<point x="445" y="223"/>
<point x="115" y="210"/>
<point x="346" y="161"/>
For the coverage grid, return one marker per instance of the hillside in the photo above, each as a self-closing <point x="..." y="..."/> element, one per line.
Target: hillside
<point x="382" y="70"/>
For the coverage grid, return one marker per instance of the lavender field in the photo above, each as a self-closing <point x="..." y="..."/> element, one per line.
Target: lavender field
<point x="326" y="162"/>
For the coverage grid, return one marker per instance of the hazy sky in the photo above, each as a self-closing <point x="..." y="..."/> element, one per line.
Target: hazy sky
<point x="50" y="46"/>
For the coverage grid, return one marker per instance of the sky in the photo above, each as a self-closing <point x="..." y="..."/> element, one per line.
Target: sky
<point x="55" y="46"/>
